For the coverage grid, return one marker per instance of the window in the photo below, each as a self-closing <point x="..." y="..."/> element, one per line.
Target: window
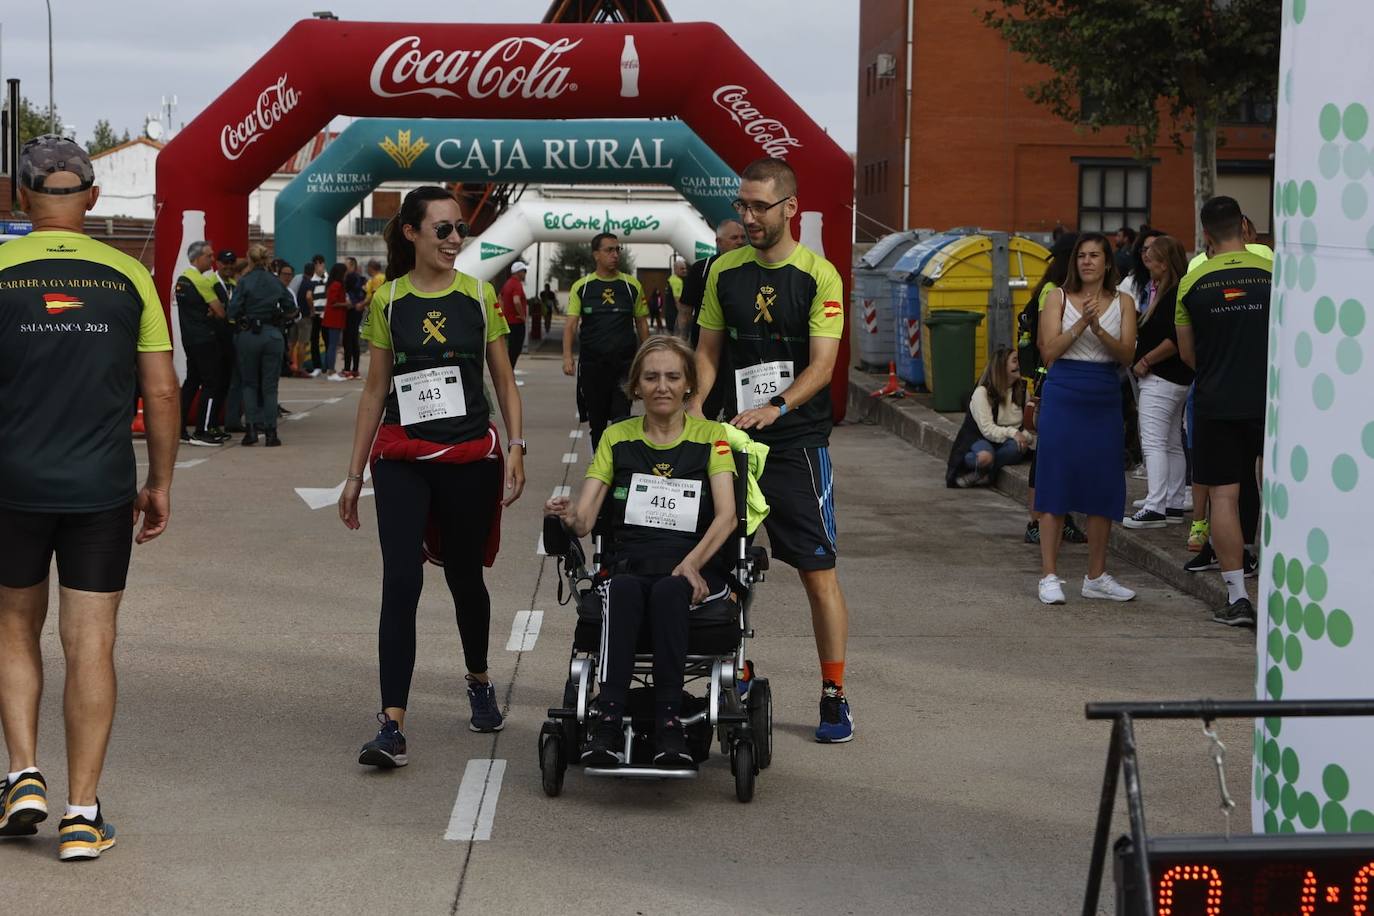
<point x="1253" y="108"/>
<point x="1112" y="195"/>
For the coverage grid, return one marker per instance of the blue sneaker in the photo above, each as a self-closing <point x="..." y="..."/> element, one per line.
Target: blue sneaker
<point x="388" y="749"/>
<point x="24" y="805"/>
<point x="836" y="725"/>
<point x="486" y="712"/>
<point x="79" y="838"/>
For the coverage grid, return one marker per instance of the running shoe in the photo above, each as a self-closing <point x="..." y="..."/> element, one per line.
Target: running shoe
<point x="604" y="748"/>
<point x="388" y="749"/>
<point x="1198" y="535"/>
<point x="203" y="440"/>
<point x="1032" y="533"/>
<point x="1251" y="565"/>
<point x="1106" y="588"/>
<point x="1173" y="516"/>
<point x="1239" y="613"/>
<point x="1072" y="533"/>
<point x="670" y="747"/>
<point x="24" y="805"/>
<point x="837" y="726"/>
<point x="80" y="838"/>
<point x="1051" y="590"/>
<point x="314" y="373"/>
<point x="1205" y="560"/>
<point x="1145" y="518"/>
<point x="486" y="712"/>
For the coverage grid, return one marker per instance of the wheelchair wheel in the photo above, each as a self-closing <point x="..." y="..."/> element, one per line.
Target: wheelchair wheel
<point x="761" y="720"/>
<point x="742" y="764"/>
<point x="553" y="759"/>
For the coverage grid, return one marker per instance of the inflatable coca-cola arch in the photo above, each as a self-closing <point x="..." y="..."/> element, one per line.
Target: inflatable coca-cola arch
<point x="323" y="68"/>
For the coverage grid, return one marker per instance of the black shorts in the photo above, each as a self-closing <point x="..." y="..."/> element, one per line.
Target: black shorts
<point x="799" y="486"/>
<point x="1225" y="451"/>
<point x="92" y="548"/>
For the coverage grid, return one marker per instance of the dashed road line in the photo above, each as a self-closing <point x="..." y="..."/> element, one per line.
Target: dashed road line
<point x="524" y="630"/>
<point x="474" y="810"/>
<point x="576" y="434"/>
<point x="570" y="458"/>
<point x="561" y="491"/>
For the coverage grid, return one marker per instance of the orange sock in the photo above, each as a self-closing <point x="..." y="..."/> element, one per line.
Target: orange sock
<point x="833" y="672"/>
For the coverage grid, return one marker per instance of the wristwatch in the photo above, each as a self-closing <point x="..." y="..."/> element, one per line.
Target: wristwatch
<point x="524" y="450"/>
<point x="780" y="403"/>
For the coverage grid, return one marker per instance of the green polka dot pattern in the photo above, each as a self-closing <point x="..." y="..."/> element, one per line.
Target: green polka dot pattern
<point x="1315" y="635"/>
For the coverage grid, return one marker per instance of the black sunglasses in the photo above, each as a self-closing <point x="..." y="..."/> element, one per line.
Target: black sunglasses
<point x="445" y="229"/>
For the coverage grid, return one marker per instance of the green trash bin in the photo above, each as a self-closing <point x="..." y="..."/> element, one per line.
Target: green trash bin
<point x="952" y="337"/>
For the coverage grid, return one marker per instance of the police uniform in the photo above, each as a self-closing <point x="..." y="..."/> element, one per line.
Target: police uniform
<point x="74" y="315"/>
<point x="261" y="305"/>
<point x="195" y="293"/>
<point x="769" y="313"/>
<point x="608" y="341"/>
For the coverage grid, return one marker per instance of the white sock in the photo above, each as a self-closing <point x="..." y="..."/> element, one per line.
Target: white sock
<point x="89" y="812"/>
<point x="1092" y="580"/>
<point x="1235" y="585"/>
<point x="12" y="778"/>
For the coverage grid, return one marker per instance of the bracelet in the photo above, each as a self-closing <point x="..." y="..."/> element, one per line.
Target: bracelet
<point x="353" y="477"/>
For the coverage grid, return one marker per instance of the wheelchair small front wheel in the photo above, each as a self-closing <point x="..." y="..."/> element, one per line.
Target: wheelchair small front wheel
<point x="743" y="766"/>
<point x="553" y="762"/>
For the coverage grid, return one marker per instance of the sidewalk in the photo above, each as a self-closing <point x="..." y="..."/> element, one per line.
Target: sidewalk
<point x="1159" y="551"/>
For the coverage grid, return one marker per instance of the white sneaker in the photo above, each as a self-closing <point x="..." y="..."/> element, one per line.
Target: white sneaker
<point x="1051" y="590"/>
<point x="1139" y="473"/>
<point x="315" y="373"/>
<point x="1188" y="500"/>
<point x="336" y="377"/>
<point x="1104" y="586"/>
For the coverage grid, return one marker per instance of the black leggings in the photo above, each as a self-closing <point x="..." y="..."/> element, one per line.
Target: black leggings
<point x="664" y="602"/>
<point x="204" y="374"/>
<point x="1249" y="507"/>
<point x="351" y="345"/>
<point x="463" y="498"/>
<point x="602" y="386"/>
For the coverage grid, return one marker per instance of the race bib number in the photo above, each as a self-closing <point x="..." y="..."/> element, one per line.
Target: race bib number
<point x="755" y="385"/>
<point x="430" y="394"/>
<point x="661" y="502"/>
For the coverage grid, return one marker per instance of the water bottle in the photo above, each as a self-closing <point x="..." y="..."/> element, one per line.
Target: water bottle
<point x="811" y="231"/>
<point x="629" y="70"/>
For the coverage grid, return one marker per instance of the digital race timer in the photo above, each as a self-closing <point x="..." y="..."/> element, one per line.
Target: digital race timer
<point x="1274" y="875"/>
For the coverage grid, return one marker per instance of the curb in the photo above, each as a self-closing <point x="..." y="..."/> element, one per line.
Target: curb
<point x="934" y="433"/>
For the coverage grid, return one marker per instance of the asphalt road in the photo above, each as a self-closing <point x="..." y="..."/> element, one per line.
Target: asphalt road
<point x="247" y="658"/>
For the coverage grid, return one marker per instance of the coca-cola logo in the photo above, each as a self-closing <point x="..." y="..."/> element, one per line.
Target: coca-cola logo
<point x="274" y="103"/>
<point x="404" y="68"/>
<point x="769" y="133"/>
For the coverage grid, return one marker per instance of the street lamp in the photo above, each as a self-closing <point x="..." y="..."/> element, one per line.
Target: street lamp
<point x="52" y="111"/>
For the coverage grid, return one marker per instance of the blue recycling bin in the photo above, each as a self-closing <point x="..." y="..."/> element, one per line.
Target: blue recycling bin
<point x="905" y="279"/>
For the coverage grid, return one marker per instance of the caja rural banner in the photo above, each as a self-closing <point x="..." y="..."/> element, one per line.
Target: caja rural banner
<point x="1316" y="619"/>
<point x="374" y="150"/>
<point x="323" y="68"/>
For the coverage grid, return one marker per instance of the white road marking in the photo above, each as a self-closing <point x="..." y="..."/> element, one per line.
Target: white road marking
<point x="519" y="372"/>
<point x="561" y="491"/>
<point x="319" y="497"/>
<point x="189" y="463"/>
<point x="519" y="384"/>
<point x="575" y="434"/>
<point x="475" y="808"/>
<point x="524" y="630"/>
<point x="570" y="458"/>
<point x="318" y="402"/>
<point x="539" y="548"/>
<point x="309" y="400"/>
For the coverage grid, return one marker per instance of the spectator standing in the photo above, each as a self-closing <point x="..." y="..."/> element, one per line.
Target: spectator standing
<point x="317" y="288"/>
<point x="1087" y="329"/>
<point x="1222" y="319"/>
<point x="260" y="307"/>
<point x="1137" y="282"/>
<point x="335" y="319"/>
<point x="199" y="307"/>
<point x="992" y="436"/>
<point x="549" y="301"/>
<point x="514" y="307"/>
<point x="673" y="295"/>
<point x="226" y="278"/>
<point x="286" y="274"/>
<point x="729" y="236"/>
<point x="355" y="286"/>
<point x="1164" y="379"/>
<point x="1125" y="241"/>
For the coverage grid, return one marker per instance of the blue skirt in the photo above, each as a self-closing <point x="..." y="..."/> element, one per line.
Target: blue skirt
<point x="1080" y="460"/>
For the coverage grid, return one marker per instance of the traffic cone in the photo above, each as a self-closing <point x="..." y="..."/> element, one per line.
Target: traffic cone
<point x="893" y="388"/>
<point x="137" y="428"/>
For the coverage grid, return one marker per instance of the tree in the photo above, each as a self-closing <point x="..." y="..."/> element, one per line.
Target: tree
<point x="1189" y="61"/>
<point x="33" y="121"/>
<point x="572" y="262"/>
<point x="105" y="138"/>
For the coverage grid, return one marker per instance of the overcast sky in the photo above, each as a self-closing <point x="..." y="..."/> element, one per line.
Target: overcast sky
<point x="115" y="59"/>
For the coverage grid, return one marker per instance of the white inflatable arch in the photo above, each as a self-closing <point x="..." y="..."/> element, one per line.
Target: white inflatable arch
<point x="675" y="223"/>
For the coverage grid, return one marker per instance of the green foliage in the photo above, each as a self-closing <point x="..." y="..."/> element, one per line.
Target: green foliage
<point x="33" y="121"/>
<point x="105" y="138"/>
<point x="572" y="262"/>
<point x="1192" y="60"/>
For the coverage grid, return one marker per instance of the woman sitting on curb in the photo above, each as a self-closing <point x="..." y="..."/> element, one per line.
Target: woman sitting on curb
<point x="992" y="435"/>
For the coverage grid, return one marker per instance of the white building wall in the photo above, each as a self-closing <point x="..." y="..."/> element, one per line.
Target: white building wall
<point x="126" y="180"/>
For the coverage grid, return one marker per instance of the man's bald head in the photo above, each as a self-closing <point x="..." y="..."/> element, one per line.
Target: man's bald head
<point x="730" y="235"/>
<point x="58" y="211"/>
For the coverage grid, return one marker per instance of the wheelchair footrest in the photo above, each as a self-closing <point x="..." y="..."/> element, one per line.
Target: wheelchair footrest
<point x="633" y="772"/>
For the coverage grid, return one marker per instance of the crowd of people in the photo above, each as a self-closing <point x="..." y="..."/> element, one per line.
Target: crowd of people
<point x="1134" y="355"/>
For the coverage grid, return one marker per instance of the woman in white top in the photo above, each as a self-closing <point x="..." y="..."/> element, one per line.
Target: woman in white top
<point x="1087" y="330"/>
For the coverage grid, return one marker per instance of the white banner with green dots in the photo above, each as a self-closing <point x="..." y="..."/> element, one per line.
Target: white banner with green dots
<point x="1316" y="620"/>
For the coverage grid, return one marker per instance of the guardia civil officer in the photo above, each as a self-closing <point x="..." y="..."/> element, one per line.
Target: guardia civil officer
<point x="261" y="307"/>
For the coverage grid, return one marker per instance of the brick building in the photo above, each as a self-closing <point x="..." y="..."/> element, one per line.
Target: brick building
<point x="984" y="154"/>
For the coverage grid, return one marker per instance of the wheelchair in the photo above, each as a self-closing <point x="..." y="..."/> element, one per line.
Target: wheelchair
<point x="718" y="632"/>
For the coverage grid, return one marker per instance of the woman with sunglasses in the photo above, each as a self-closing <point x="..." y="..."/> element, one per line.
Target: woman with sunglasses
<point x="425" y="429"/>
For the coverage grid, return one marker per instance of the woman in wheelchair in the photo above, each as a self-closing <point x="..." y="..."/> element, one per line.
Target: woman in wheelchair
<point x="670" y="480"/>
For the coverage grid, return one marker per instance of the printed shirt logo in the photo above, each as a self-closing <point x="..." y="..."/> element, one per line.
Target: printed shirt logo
<point x="403" y="69"/>
<point x="402" y="150"/>
<point x="722" y="447"/>
<point x="663" y="469"/>
<point x="833" y="309"/>
<point x="608" y="296"/>
<point x="764" y="301"/>
<point x="61" y="249"/>
<point x="768" y="133"/>
<point x="274" y="103"/>
<point x="57" y="303"/>
<point x="433" y="326"/>
<point x="1231" y="294"/>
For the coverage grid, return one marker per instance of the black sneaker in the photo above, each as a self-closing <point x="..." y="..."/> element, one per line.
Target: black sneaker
<point x="1173" y="516"/>
<point x="218" y="433"/>
<point x="1206" y="559"/>
<point x="604" y="748"/>
<point x="1032" y="533"/>
<point x="388" y="749"/>
<point x="1072" y="533"/>
<point x="1145" y="518"/>
<point x="670" y="747"/>
<point x="1239" y="613"/>
<point x="203" y="439"/>
<point x="1251" y="564"/>
<point x="486" y="712"/>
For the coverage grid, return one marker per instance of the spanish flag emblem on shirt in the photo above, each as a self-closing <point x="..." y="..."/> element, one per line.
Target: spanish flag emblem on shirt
<point x="1231" y="294"/>
<point x="57" y="303"/>
<point x="833" y="310"/>
<point x="722" y="447"/>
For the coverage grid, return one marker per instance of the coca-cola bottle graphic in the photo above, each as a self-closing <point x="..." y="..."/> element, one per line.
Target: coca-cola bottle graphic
<point x="629" y="69"/>
<point x="192" y="230"/>
<point x="811" y="231"/>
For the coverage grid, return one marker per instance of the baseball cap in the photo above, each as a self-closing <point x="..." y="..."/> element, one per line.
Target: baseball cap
<point x="519" y="266"/>
<point x="226" y="256"/>
<point x="48" y="154"/>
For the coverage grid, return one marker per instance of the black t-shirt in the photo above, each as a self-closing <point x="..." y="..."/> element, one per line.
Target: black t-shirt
<point x="74" y="315"/>
<point x="1153" y="331"/>
<point x="1226" y="302"/>
<point x="195" y="292"/>
<point x="608" y="309"/>
<point x="693" y="288"/>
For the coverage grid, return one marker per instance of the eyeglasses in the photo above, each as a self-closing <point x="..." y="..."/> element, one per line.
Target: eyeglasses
<point x="445" y="229"/>
<point x="613" y="249"/>
<point x="757" y="209"/>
